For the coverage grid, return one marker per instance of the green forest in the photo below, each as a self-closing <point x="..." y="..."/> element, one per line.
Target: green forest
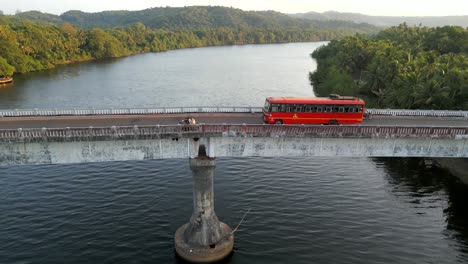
<point x="400" y="67"/>
<point x="34" y="41"/>
<point x="195" y="18"/>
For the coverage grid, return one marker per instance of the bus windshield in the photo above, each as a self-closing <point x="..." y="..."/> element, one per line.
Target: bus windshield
<point x="266" y="107"/>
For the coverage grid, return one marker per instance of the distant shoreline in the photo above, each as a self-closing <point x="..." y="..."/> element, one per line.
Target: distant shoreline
<point x="70" y="62"/>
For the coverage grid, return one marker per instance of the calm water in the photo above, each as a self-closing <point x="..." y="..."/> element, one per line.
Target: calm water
<point x="307" y="210"/>
<point x="237" y="75"/>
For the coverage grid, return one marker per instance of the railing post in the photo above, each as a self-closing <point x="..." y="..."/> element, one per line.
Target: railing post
<point x="20" y="133"/>
<point x="44" y="133"/>
<point x="114" y="131"/>
<point x="136" y="130"/>
<point x="179" y="128"/>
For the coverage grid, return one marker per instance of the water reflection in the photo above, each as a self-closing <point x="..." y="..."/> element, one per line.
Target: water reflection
<point x="6" y="85"/>
<point x="8" y="94"/>
<point x="428" y="185"/>
<point x="304" y="210"/>
<point x="244" y="76"/>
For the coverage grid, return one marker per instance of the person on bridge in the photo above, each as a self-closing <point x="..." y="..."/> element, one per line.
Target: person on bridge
<point x="188" y="121"/>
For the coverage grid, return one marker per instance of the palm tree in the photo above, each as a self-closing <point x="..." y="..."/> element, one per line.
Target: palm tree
<point x="432" y="95"/>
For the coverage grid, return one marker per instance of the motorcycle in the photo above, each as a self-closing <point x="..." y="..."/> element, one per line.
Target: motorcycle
<point x="188" y="121"/>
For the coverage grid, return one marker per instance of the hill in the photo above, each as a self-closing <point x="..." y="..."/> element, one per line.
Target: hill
<point x="195" y="18"/>
<point x="36" y="16"/>
<point x="387" y="21"/>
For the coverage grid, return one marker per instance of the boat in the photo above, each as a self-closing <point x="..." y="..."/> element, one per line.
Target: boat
<point x="6" y="80"/>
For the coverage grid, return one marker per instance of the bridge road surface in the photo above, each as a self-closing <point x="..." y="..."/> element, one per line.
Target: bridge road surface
<point x="207" y="118"/>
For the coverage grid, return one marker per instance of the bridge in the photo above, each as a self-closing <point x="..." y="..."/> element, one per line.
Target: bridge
<point x="76" y="136"/>
<point x="95" y="135"/>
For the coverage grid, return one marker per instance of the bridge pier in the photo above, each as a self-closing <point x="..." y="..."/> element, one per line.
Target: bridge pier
<point x="204" y="239"/>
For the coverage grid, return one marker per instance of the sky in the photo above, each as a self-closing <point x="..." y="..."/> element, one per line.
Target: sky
<point x="368" y="7"/>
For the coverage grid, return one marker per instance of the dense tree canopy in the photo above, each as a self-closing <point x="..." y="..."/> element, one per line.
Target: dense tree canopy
<point x="401" y="67"/>
<point x="5" y="68"/>
<point x="195" y="18"/>
<point x="27" y="46"/>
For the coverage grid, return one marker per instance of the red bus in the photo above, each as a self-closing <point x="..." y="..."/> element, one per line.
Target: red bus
<point x="332" y="110"/>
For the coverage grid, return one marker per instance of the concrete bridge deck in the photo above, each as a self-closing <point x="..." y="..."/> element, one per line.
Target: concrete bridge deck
<point x="77" y="145"/>
<point x="206" y="118"/>
<point x="27" y="139"/>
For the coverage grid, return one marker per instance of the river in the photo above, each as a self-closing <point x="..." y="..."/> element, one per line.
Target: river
<point x="302" y="210"/>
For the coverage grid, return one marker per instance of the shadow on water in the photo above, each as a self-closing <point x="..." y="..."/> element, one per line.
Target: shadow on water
<point x="422" y="177"/>
<point x="226" y="260"/>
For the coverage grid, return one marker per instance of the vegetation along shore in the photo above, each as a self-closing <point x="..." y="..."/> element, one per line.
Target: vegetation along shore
<point x="33" y="41"/>
<point x="400" y="67"/>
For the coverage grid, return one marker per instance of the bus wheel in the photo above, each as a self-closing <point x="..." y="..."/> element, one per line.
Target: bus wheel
<point x="333" y="122"/>
<point x="279" y="122"/>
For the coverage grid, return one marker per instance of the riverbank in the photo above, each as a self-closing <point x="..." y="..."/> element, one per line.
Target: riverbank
<point x="458" y="167"/>
<point x="74" y="61"/>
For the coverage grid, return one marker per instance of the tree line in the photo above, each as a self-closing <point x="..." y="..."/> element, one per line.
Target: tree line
<point x="26" y="46"/>
<point x="400" y="67"/>
<point x="193" y="18"/>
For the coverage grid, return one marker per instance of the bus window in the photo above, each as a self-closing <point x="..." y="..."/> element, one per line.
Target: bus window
<point x="319" y="109"/>
<point x="336" y="109"/>
<point x="297" y="108"/>
<point x="282" y="108"/>
<point x="274" y="108"/>
<point x="359" y="109"/>
<point x="341" y="110"/>
<point x="288" y="108"/>
<point x="307" y="109"/>
<point x="328" y="109"/>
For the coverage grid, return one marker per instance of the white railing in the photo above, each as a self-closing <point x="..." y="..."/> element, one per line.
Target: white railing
<point x="209" y="109"/>
<point x="216" y="130"/>
<point x="128" y="111"/>
<point x="428" y="113"/>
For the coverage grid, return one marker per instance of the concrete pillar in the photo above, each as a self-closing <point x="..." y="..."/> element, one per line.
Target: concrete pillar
<point x="204" y="239"/>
